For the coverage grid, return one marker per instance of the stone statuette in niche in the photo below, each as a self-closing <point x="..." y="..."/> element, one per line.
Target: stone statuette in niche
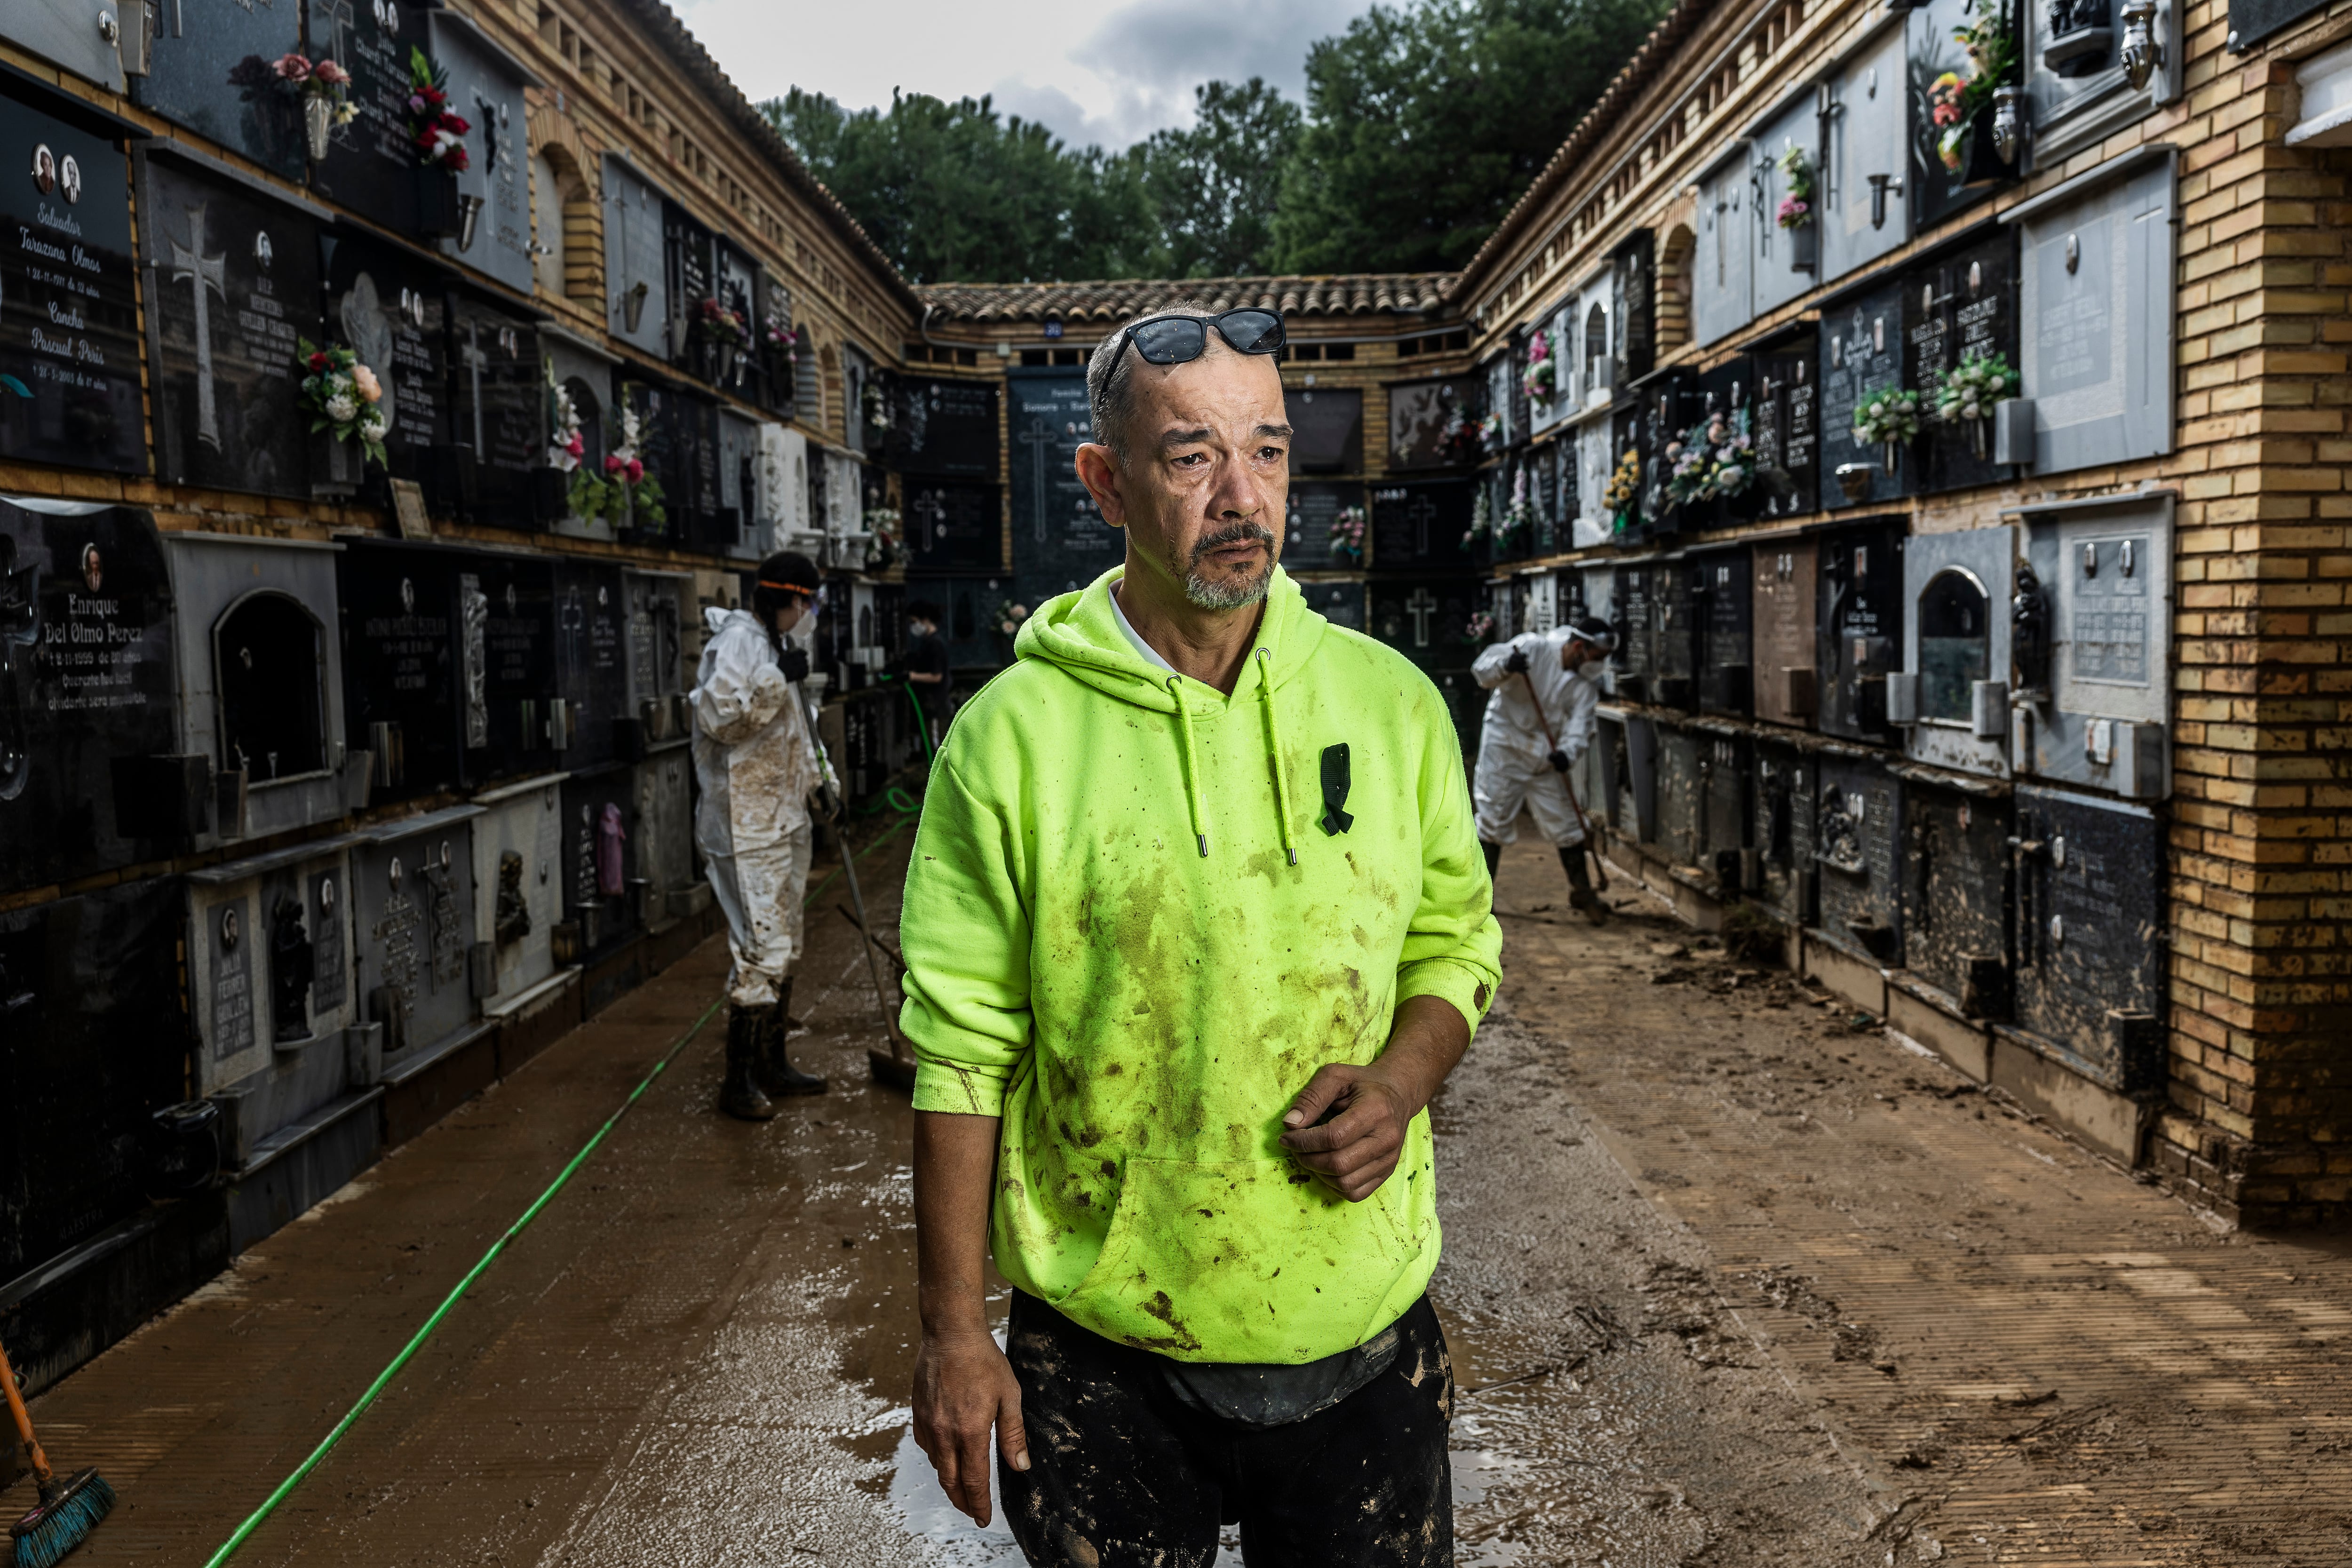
<point x="69" y="389"/>
<point x="293" y="969"/>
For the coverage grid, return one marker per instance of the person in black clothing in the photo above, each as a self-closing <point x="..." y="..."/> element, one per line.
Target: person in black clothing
<point x="928" y="669"/>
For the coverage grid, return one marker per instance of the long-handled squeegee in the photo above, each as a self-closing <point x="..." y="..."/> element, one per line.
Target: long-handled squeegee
<point x="895" y="1066"/>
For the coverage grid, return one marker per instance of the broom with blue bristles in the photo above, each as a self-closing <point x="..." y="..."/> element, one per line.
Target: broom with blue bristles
<point x="69" y="1510"/>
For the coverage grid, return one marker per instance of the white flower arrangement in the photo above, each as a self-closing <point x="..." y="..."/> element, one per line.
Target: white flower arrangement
<point x="1970" y="389"/>
<point x="1887" y="417"/>
<point x="567" y="447"/>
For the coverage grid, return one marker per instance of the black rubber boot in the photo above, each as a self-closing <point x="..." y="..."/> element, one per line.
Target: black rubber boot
<point x="1580" y="895"/>
<point x="741" y="1096"/>
<point x="784" y="1009"/>
<point x="777" y="1074"/>
<point x="1493" y="854"/>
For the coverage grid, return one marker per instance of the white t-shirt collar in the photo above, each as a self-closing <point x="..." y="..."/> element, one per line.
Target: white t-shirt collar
<point x="1151" y="655"/>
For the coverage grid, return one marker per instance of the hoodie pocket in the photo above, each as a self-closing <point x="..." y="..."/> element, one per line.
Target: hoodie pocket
<point x="1250" y="1260"/>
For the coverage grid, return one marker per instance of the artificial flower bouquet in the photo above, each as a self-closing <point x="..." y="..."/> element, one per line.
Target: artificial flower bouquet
<point x="342" y="398"/>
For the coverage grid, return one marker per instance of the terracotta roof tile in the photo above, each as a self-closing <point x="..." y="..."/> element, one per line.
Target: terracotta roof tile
<point x="1112" y="300"/>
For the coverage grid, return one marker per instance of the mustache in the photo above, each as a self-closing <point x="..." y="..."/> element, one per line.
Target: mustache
<point x="1237" y="533"/>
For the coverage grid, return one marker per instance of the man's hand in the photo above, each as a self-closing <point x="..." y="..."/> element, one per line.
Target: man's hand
<point x="1517" y="663"/>
<point x="963" y="1386"/>
<point x="794" y="662"/>
<point x="1558" y="760"/>
<point x="1369" y="1108"/>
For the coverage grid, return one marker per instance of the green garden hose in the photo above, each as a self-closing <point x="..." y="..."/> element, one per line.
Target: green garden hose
<point x="384" y="1379"/>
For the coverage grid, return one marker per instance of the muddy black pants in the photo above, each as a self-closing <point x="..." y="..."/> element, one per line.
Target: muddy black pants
<point x="1123" y="1475"/>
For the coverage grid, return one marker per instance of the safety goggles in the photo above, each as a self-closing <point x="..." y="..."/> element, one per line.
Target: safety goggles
<point x="1176" y="340"/>
<point x="776" y="587"/>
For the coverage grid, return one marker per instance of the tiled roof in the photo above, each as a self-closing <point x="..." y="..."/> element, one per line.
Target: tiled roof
<point x="1607" y="114"/>
<point x="1367" y="294"/>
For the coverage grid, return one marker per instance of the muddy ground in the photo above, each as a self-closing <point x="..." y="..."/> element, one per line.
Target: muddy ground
<point x="1732" y="1277"/>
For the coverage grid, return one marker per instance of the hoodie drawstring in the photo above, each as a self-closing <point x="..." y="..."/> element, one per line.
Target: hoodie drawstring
<point x="1191" y="763"/>
<point x="1274" y="749"/>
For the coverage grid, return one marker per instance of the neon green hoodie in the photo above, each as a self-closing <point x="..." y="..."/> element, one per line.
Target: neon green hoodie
<point x="1130" y="933"/>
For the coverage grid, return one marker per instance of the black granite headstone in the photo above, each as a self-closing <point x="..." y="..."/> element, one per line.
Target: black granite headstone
<point x="233" y="284"/>
<point x="84" y="982"/>
<point x="1341" y="603"/>
<point x="498" y="406"/>
<point x="1059" y="539"/>
<point x="1964" y="305"/>
<point x="1635" y="618"/>
<point x="391" y="310"/>
<point x="1955" y="894"/>
<point x="591" y="654"/>
<point x="691" y="479"/>
<point x="943" y="428"/>
<point x="68" y="305"/>
<point x="598" y="827"/>
<point x="1722" y="581"/>
<point x="1307" y="542"/>
<point x="952" y="527"/>
<point x="2091" y="952"/>
<point x="690" y="266"/>
<point x="519" y="644"/>
<point x="1862" y="353"/>
<point x="1859" y="628"/>
<point x="371" y="167"/>
<point x="1327" y="430"/>
<point x="1940" y="185"/>
<point x="87" y="689"/>
<point x="403" y="662"/>
<point x="1427" y="619"/>
<point x="1434" y="424"/>
<point x="210" y="73"/>
<point x="1857" y="827"/>
<point x="657" y="448"/>
<point x="1675" y="613"/>
<point x="1788" y="430"/>
<point x="1421" y="526"/>
<point x="487" y="94"/>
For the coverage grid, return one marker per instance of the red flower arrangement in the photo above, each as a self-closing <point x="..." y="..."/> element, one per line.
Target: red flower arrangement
<point x="438" y="136"/>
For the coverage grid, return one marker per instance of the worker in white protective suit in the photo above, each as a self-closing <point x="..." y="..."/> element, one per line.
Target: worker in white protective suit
<point x="1525" y="752"/>
<point x="758" y="763"/>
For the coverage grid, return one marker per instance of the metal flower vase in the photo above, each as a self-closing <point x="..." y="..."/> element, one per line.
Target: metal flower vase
<point x="318" y="127"/>
<point x="337" y="468"/>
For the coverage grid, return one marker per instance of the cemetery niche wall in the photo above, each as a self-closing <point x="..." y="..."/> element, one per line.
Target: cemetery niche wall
<point x="518" y="849"/>
<point x="69" y="380"/>
<point x="418" y="971"/>
<point x="83" y="981"/>
<point x="260" y="664"/>
<point x="1060" y="542"/>
<point x="1312" y="517"/>
<point x="92" y="776"/>
<point x="2089" y="626"/>
<point x="1785" y="605"/>
<point x="592" y="655"/>
<point x="209" y="73"/>
<point x="371" y="164"/>
<point x="951" y="527"/>
<point x="1327" y="430"/>
<point x="1423" y="526"/>
<point x="390" y="309"/>
<point x="233" y="287"/>
<point x="486" y="87"/>
<point x="284" y="1050"/>
<point x="495" y="468"/>
<point x="1951" y="697"/>
<point x="946" y="428"/>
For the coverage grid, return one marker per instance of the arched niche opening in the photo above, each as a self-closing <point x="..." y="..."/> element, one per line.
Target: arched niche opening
<point x="269" y="671"/>
<point x="1955" y="644"/>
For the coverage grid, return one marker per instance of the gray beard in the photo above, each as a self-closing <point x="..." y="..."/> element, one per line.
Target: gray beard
<point x="1229" y="593"/>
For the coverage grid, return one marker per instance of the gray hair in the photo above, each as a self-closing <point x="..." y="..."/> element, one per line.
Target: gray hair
<point x="1111" y="381"/>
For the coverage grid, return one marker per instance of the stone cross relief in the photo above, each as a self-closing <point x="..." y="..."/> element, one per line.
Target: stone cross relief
<point x="1421" y="604"/>
<point x="933" y="509"/>
<point x="1423" y="512"/>
<point x="476" y="361"/>
<point x="1037" y="437"/>
<point x="190" y="265"/>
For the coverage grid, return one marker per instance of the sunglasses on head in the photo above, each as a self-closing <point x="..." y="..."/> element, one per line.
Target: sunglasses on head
<point x="1175" y="340"/>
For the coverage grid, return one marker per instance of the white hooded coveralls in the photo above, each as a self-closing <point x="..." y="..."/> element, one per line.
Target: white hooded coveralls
<point x="757" y="764"/>
<point x="1514" y="755"/>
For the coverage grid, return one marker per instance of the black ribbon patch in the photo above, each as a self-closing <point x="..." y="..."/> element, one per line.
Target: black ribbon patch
<point x="1335" y="789"/>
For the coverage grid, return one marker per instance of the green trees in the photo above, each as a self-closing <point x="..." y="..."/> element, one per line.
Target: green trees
<point x="1425" y="121"/>
<point x="1422" y="123"/>
<point x="955" y="191"/>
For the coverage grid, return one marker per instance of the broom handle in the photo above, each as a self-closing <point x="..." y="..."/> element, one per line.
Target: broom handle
<point x="41" y="1472"/>
<point x="1545" y="720"/>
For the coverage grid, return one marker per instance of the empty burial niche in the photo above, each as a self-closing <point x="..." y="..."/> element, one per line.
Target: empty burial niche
<point x="1954" y="645"/>
<point x="271" y="676"/>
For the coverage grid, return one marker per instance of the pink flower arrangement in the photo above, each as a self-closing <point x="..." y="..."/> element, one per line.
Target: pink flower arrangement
<point x="1794" y="213"/>
<point x="291" y="68"/>
<point x="1944" y="99"/>
<point x="333" y="74"/>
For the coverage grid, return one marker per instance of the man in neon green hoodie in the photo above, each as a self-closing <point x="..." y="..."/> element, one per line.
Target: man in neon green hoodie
<point x="1196" y="924"/>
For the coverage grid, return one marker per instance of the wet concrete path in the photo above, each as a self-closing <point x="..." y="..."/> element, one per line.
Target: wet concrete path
<point x="1727" y="1281"/>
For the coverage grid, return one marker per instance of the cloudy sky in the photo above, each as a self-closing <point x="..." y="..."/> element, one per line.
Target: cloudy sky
<point x="1106" y="73"/>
